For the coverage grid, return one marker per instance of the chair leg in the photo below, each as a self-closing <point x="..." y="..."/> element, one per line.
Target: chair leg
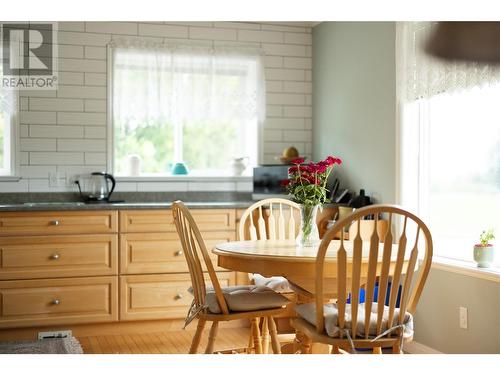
<point x="197" y="336"/>
<point x="335" y="350"/>
<point x="211" y="338"/>
<point x="250" y="339"/>
<point x="256" y="336"/>
<point x="304" y="342"/>
<point x="274" y="336"/>
<point x="377" y="350"/>
<point x="265" y="335"/>
<point x="396" y="349"/>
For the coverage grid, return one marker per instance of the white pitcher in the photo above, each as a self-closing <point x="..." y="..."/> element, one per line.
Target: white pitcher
<point x="238" y="165"/>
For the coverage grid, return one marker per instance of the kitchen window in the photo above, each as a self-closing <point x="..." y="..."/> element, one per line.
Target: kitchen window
<point x="171" y="104"/>
<point x="8" y="112"/>
<point x="449" y="147"/>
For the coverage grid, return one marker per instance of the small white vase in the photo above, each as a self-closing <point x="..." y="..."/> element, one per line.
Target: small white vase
<point x="484" y="255"/>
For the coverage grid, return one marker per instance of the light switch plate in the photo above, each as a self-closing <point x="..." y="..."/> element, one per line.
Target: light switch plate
<point x="463" y="317"/>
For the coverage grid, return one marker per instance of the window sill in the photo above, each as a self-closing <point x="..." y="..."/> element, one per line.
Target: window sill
<point x="9" y="178"/>
<point x="184" y="178"/>
<point x="466" y="268"/>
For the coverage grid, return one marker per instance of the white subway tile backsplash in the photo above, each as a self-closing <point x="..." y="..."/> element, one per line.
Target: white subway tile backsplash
<point x="34" y="117"/>
<point x="76" y="118"/>
<point x="95" y="158"/>
<point x="55" y="158"/>
<point x="95" y="132"/>
<point x="95" y="79"/>
<point x="99" y="53"/>
<point x="56" y="104"/>
<point x="98" y="105"/>
<point x="83" y="39"/>
<point x="166" y="31"/>
<point x="82" y="65"/>
<point x="81" y="145"/>
<point x="260" y="36"/>
<point x="65" y="130"/>
<point x="212" y="33"/>
<point x="70" y="78"/>
<point x="125" y="28"/>
<point x="88" y="92"/>
<point x="54" y="131"/>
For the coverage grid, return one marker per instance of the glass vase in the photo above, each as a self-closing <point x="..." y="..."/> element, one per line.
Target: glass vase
<point x="309" y="234"/>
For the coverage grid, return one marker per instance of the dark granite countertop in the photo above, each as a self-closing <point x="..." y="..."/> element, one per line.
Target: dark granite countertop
<point x="131" y="201"/>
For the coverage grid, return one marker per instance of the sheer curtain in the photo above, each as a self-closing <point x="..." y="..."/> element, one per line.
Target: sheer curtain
<point x="183" y="84"/>
<point x="423" y="76"/>
<point x="449" y="137"/>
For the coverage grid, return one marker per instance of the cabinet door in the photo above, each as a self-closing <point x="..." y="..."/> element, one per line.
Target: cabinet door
<point x="161" y="252"/>
<point x="58" y="301"/>
<point x="144" y="297"/>
<point x="151" y="221"/>
<point x="58" y="222"/>
<point x="58" y="256"/>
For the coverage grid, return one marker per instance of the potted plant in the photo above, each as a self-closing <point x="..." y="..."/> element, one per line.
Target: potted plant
<point x="307" y="185"/>
<point x="484" y="252"/>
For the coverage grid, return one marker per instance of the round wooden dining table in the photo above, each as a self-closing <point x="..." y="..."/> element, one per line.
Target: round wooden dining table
<point x="297" y="264"/>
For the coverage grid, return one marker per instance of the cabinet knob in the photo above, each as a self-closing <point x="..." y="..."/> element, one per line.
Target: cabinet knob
<point x="179" y="253"/>
<point x="56" y="302"/>
<point x="54" y="222"/>
<point x="178" y="296"/>
<point x="54" y="256"/>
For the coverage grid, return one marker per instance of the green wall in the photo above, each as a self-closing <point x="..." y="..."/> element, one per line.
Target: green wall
<point x="354" y="117"/>
<point x="354" y="96"/>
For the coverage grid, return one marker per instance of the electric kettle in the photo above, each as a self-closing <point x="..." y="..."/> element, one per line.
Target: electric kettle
<point x="95" y="187"/>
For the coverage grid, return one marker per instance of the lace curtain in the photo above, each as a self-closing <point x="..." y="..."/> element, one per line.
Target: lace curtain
<point x="421" y="75"/>
<point x="186" y="83"/>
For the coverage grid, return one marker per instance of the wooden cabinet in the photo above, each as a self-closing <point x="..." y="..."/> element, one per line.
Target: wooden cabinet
<point x="165" y="296"/>
<point x="57" y="222"/>
<point x="58" y="301"/>
<point x="58" y="256"/>
<point x="161" y="252"/>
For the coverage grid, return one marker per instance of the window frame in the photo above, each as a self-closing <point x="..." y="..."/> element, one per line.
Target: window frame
<point x="419" y="199"/>
<point x="14" y="142"/>
<point x="110" y="154"/>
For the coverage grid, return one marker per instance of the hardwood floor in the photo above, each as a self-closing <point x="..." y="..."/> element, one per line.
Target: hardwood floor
<point x="162" y="342"/>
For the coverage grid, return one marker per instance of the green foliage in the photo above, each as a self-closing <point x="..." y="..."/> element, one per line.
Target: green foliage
<point x="486" y="236"/>
<point x="205" y="145"/>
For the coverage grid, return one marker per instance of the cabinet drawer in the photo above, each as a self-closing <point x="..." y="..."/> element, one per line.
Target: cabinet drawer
<point x="58" y="301"/>
<point x="149" y="221"/>
<point x="161" y="252"/>
<point x="145" y="297"/>
<point x="58" y="256"/>
<point x="57" y="222"/>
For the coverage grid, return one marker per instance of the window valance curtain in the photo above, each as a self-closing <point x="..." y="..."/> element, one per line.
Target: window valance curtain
<point x="421" y="75"/>
<point x="186" y="83"/>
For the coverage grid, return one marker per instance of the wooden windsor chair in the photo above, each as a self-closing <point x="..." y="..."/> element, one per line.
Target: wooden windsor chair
<point x="216" y="303"/>
<point x="279" y="224"/>
<point x="347" y="324"/>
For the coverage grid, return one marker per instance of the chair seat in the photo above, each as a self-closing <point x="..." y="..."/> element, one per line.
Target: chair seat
<point x="245" y="298"/>
<point x="308" y="312"/>
<point x="277" y="283"/>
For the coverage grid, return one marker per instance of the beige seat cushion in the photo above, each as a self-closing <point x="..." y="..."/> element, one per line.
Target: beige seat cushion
<point x="245" y="298"/>
<point x="331" y="314"/>
<point x="277" y="283"/>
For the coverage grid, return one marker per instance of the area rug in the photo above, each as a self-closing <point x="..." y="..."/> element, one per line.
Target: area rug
<point x="68" y="345"/>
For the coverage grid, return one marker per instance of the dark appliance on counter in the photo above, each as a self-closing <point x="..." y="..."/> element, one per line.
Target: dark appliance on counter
<point x="94" y="188"/>
<point x="267" y="181"/>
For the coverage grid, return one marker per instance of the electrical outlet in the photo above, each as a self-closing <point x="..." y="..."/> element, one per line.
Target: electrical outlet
<point x="54" y="335"/>
<point x="463" y="317"/>
<point x="57" y="179"/>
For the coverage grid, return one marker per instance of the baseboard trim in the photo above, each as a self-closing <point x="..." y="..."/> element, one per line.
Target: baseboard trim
<point x="414" y="347"/>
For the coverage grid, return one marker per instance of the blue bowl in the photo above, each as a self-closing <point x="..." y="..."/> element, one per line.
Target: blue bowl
<point x="179" y="169"/>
